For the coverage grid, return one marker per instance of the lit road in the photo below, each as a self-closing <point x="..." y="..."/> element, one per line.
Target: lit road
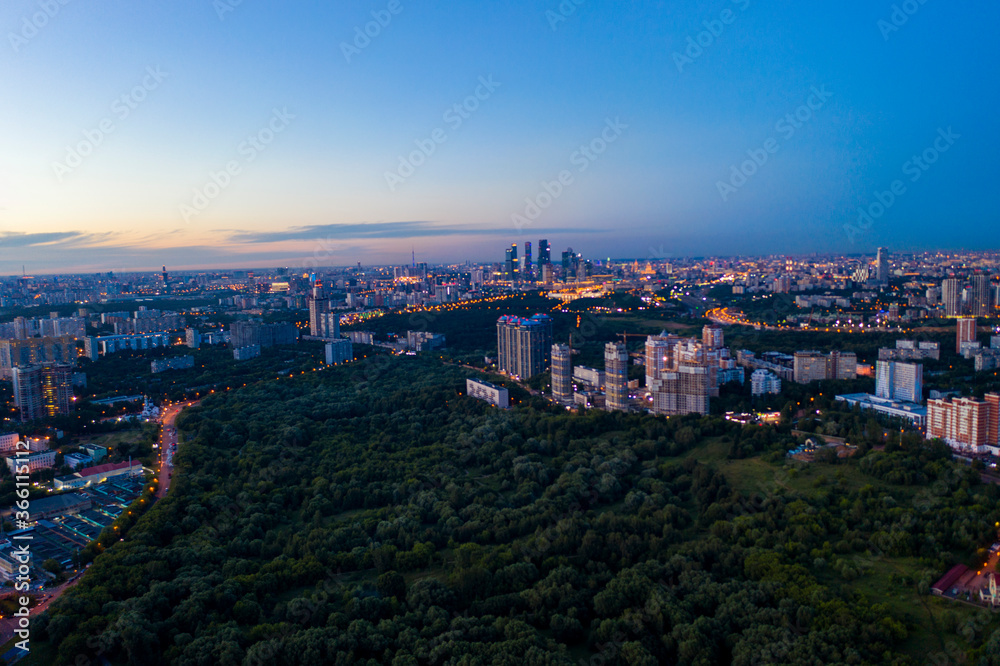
<point x="728" y="317"/>
<point x="168" y="439"/>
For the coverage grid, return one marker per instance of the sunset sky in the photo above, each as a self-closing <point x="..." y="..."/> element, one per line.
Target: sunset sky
<point x="308" y="118"/>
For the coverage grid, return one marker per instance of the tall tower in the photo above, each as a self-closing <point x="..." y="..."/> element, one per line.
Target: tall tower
<point x="659" y="359"/>
<point x="319" y="306"/>
<point x="562" y="374"/>
<point x="544" y="255"/>
<point x="951" y="298"/>
<point x="527" y="268"/>
<point x="982" y="302"/>
<point x="882" y="266"/>
<point x="510" y="267"/>
<point x="616" y="376"/>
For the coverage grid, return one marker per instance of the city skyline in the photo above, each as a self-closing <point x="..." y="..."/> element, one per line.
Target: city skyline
<point x="232" y="134"/>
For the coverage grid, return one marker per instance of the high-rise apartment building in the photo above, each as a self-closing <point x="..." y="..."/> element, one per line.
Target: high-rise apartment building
<point x="250" y="333"/>
<point x="677" y="375"/>
<point x="911" y="350"/>
<point x="965" y="332"/>
<point x="524" y="345"/>
<point x="42" y="391"/>
<point x="810" y="366"/>
<point x="951" y="297"/>
<point x="763" y="381"/>
<point x="964" y="422"/>
<point x="712" y="337"/>
<point x="339" y="351"/>
<point x="319" y="307"/>
<point x="982" y="299"/>
<point x="616" y="376"/>
<point x="327" y="325"/>
<point x="813" y="366"/>
<point x="34" y="351"/>
<point x="562" y="374"/>
<point x="993" y="425"/>
<point x="659" y="358"/>
<point x="903" y="382"/>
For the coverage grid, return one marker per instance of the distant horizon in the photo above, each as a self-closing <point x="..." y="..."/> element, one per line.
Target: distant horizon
<point x="306" y="267"/>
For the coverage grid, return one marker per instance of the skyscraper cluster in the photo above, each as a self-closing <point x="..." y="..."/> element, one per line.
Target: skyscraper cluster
<point x="522" y="269"/>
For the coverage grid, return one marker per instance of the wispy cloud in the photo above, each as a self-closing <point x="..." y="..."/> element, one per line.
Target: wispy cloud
<point x="21" y="239"/>
<point x="373" y="230"/>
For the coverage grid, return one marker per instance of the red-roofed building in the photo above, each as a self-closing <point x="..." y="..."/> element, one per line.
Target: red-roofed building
<point x="98" y="474"/>
<point x="950" y="578"/>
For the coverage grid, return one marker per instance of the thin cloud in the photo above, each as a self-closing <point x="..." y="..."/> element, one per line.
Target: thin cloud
<point x="377" y="230"/>
<point x="21" y="239"/>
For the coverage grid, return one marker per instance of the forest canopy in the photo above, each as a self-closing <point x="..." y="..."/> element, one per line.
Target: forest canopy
<point x="373" y="513"/>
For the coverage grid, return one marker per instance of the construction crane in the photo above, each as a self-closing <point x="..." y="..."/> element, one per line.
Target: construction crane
<point x="626" y="336"/>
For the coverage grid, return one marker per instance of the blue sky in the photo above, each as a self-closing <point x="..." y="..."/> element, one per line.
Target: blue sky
<point x="305" y="143"/>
